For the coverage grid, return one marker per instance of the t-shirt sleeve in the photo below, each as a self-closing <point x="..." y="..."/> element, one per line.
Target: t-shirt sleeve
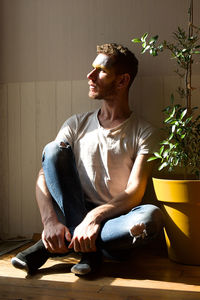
<point x="148" y="141"/>
<point x="66" y="133"/>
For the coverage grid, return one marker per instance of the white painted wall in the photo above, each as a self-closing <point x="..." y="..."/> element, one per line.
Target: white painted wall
<point x="47" y="47"/>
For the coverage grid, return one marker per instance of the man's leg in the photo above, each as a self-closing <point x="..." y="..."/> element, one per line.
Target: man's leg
<point x="138" y="227"/>
<point x="64" y="186"/>
<point x="63" y="182"/>
<point x="119" y="235"/>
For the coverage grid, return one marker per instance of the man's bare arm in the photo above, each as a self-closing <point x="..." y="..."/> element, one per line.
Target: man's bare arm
<point x="54" y="232"/>
<point x="86" y="233"/>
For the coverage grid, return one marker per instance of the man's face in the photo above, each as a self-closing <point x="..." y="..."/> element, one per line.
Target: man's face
<point x="102" y="79"/>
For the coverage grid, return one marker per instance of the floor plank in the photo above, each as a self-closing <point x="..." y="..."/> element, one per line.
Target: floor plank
<point x="147" y="275"/>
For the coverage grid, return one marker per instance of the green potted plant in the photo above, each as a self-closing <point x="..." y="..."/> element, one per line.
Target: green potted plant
<point x="180" y="148"/>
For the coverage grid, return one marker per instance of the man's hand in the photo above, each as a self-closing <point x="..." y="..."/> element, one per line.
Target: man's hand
<point x="54" y="236"/>
<point x="85" y="235"/>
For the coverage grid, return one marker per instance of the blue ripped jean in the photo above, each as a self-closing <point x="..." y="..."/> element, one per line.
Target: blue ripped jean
<point x="116" y="234"/>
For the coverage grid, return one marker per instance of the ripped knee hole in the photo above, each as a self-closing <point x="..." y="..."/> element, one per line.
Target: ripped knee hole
<point x="138" y="231"/>
<point x="64" y="145"/>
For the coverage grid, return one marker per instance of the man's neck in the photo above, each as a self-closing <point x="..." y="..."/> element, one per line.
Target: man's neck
<point x="113" y="113"/>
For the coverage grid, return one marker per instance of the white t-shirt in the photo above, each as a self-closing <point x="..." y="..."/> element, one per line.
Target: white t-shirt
<point x="105" y="157"/>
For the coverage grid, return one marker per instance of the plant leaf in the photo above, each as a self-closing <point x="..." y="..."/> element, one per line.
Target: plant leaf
<point x="183" y="114"/>
<point x="164" y="165"/>
<point x="162" y="149"/>
<point x="172" y="98"/>
<point x="152" y="158"/>
<point x="173" y="128"/>
<point x="157" y="155"/>
<point x="144" y="45"/>
<point x="143" y="38"/>
<point x="136" y="40"/>
<point x="183" y="136"/>
<point x="153" y="39"/>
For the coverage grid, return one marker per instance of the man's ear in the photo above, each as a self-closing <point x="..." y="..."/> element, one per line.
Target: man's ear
<point x="123" y="80"/>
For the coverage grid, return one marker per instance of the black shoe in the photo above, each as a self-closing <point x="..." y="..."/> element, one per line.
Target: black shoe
<point x="32" y="258"/>
<point x="89" y="263"/>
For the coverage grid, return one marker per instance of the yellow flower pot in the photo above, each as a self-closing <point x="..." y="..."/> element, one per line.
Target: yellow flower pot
<point x="180" y="201"/>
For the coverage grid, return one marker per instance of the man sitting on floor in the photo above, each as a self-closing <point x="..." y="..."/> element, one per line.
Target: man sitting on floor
<point x="94" y="175"/>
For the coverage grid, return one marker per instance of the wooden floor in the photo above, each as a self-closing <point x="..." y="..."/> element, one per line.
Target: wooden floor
<point x="148" y="275"/>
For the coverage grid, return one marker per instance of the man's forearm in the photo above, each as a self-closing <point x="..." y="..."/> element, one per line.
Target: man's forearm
<point x="121" y="204"/>
<point x="44" y="200"/>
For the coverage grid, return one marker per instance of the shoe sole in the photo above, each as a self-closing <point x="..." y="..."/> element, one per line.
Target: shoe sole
<point x="19" y="264"/>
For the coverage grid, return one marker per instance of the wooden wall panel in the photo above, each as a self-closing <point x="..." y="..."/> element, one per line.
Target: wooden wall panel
<point x="4" y="199"/>
<point x="28" y="154"/>
<point x="45" y="120"/>
<point x="80" y="100"/>
<point x="63" y="102"/>
<point x="45" y="116"/>
<point x="15" y="159"/>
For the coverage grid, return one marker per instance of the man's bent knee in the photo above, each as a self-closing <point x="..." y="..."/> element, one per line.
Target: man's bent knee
<point x="149" y="224"/>
<point x="54" y="148"/>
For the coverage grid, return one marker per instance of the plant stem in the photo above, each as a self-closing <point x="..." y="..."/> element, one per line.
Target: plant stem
<point x="188" y="81"/>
